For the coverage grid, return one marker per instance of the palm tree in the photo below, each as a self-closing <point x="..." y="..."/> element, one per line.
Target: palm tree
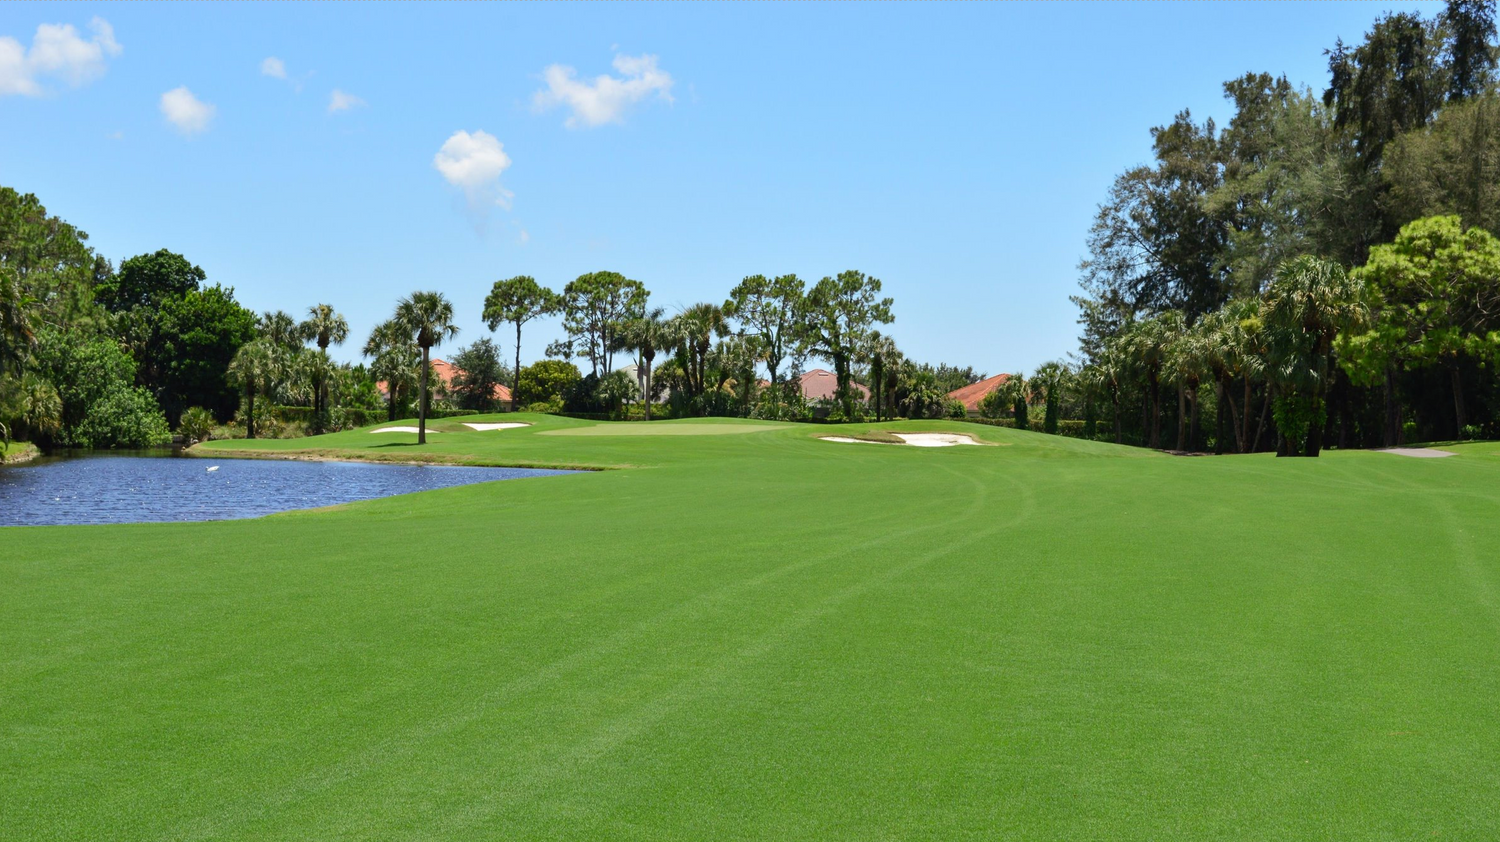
<point x="1147" y="341"/>
<point x="1051" y="379"/>
<point x="646" y="336"/>
<point x="325" y="327"/>
<point x="1229" y="354"/>
<point x="696" y="328"/>
<point x="281" y="329"/>
<point x="254" y="364"/>
<point x="883" y="354"/>
<point x="427" y="317"/>
<point x="1306" y="306"/>
<point x="1109" y="371"/>
<point x="395" y="359"/>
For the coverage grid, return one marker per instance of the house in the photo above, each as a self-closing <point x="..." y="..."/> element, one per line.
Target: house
<point x="971" y="395"/>
<point x="819" y="384"/>
<point x="443" y="373"/>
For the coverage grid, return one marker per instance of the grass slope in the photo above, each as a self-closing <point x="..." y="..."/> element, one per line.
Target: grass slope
<point x="767" y="636"/>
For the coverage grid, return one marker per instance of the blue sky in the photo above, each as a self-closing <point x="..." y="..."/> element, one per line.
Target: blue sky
<point x="957" y="152"/>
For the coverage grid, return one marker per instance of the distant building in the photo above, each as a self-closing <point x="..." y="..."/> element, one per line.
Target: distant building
<point x="819" y="384"/>
<point x="443" y="373"/>
<point x="971" y="395"/>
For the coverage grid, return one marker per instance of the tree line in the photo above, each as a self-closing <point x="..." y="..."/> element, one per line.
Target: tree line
<point x="1322" y="270"/>
<point x="92" y="355"/>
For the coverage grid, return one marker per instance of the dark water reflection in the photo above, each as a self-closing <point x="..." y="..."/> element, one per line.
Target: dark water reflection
<point x="112" y="488"/>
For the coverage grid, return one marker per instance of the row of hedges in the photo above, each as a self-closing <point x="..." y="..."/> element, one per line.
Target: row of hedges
<point x="360" y="417"/>
<point x="1071" y="429"/>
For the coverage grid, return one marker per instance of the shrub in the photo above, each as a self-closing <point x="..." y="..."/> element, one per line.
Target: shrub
<point x="614" y="390"/>
<point x="268" y="424"/>
<point x="956" y="408"/>
<point x="926" y="401"/>
<point x="196" y="424"/>
<point x="997" y="404"/>
<point x="124" y="418"/>
<point x="546" y="380"/>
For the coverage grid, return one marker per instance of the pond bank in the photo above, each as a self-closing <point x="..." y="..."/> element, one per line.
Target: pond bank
<point x="18" y="452"/>
<point x="334" y="454"/>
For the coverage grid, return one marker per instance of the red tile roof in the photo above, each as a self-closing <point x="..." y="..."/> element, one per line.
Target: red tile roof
<point x="973" y="393"/>
<point x="823" y="385"/>
<point x="444" y="372"/>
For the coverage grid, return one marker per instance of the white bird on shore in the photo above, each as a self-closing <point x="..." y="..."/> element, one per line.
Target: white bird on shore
<point x="214" y="468"/>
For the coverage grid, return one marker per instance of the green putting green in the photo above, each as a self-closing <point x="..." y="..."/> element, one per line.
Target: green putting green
<point x="775" y="637"/>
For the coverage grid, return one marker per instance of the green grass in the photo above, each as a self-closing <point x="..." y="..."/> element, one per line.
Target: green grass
<point x="17" y="451"/>
<point x="768" y="636"/>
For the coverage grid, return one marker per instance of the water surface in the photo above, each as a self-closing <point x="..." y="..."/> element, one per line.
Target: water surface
<point x="135" y="489"/>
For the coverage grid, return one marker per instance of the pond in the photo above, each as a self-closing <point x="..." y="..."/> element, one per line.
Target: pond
<point x="112" y="488"/>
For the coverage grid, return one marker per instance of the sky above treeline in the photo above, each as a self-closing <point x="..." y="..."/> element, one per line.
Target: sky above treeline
<point x="351" y="154"/>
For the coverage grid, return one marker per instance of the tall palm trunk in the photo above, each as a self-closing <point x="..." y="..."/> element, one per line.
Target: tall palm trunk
<point x="1119" y="429"/>
<point x="1460" y="418"/>
<point x="1260" y="429"/>
<point x="515" y="377"/>
<point x="1181" y="416"/>
<point x="422" y="403"/>
<point x="1155" y="412"/>
<point x="1193" y="419"/>
<point x="250" y="414"/>
<point x="1246" y="443"/>
<point x="647" y="397"/>
<point x="1392" y="409"/>
<point x="1221" y="398"/>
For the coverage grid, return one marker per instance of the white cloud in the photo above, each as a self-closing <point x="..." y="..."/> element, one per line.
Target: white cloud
<point x="605" y="99"/>
<point x="273" y="67"/>
<point x="341" y="101"/>
<point x="57" y="50"/>
<point x="188" y="113"/>
<point x="524" y="237"/>
<point x="473" y="163"/>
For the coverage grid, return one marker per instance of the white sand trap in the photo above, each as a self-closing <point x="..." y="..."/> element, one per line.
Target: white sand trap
<point x="935" y="439"/>
<point x="507" y="425"/>
<point x="401" y="430"/>
<point x="913" y="439"/>
<point x="1418" y="452"/>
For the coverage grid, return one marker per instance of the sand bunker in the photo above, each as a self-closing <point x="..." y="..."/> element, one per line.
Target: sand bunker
<point x="1418" y="452"/>
<point x="935" y="439"/>
<point x="400" y="430"/>
<point x="506" y="425"/>
<point x="913" y="439"/>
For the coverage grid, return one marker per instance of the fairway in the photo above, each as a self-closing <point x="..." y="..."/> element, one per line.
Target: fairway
<point x="774" y="637"/>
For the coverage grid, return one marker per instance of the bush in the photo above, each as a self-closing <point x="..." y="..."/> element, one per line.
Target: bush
<point x="338" y="418"/>
<point x="1070" y="428"/>
<point x="545" y="381"/>
<point x="614" y="390"/>
<point x="267" y="423"/>
<point x="956" y="408"/>
<point x="124" y="418"/>
<point x="781" y="404"/>
<point x="196" y="424"/>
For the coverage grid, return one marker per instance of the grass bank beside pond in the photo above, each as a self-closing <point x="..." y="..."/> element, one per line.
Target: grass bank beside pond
<point x="762" y="635"/>
<point x="16" y="452"/>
